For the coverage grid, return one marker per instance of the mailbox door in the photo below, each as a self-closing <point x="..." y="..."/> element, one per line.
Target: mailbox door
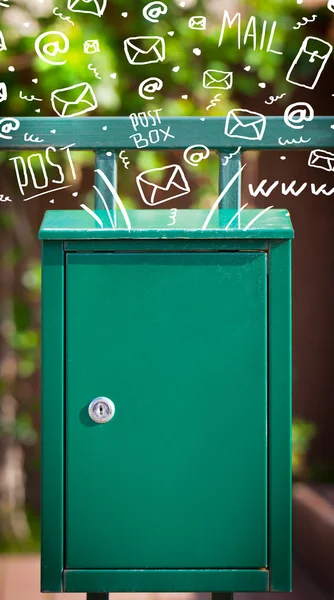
<point x="178" y="477"/>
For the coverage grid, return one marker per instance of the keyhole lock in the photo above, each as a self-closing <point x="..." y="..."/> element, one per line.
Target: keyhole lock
<point x="101" y="410"/>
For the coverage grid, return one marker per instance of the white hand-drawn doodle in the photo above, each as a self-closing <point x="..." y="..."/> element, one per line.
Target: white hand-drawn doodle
<point x="253" y="129"/>
<point x="4" y="3"/>
<point x="236" y="216"/>
<point x="175" y="186"/>
<point x="152" y="136"/>
<point x="298" y="112"/>
<point x="153" y="10"/>
<point x="197" y="23"/>
<point x="221" y="196"/>
<point x="91" y="46"/>
<point x="304" y="21"/>
<point x="73" y="101"/>
<point x="124" y="159"/>
<point x="321" y="159"/>
<point x="263" y="212"/>
<point x="313" y="52"/>
<point x="92" y="214"/>
<point x="150" y="86"/>
<point x="116" y="197"/>
<point x="4" y="198"/>
<point x="3" y="92"/>
<point x="61" y="16"/>
<point x="217" y="80"/>
<point x="193" y="155"/>
<point x="103" y="200"/>
<point x="50" y="49"/>
<point x="214" y="102"/>
<point x="143" y="120"/>
<point x="6" y="126"/>
<point x="144" y="50"/>
<point x="31" y="138"/>
<point x="2" y="42"/>
<point x="293" y="141"/>
<point x="251" y="32"/>
<point x="95" y="71"/>
<point x="172" y="216"/>
<point x="91" y="7"/>
<point x="273" y="99"/>
<point x="330" y="5"/>
<point x="288" y="188"/>
<point x="30" y="99"/>
<point x="27" y="165"/>
<point x="226" y="159"/>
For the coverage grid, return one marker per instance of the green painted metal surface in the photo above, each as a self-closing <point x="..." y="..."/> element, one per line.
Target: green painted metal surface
<point x="170" y="580"/>
<point x="88" y="133"/>
<point x="78" y="225"/>
<point x="178" y="478"/>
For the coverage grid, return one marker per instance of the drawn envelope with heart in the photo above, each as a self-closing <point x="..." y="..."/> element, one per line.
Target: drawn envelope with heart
<point x="156" y="193"/>
<point x="217" y="80"/>
<point x="92" y="7"/>
<point x="252" y="129"/>
<point x="73" y="101"/>
<point x="144" y="50"/>
<point x="321" y="159"/>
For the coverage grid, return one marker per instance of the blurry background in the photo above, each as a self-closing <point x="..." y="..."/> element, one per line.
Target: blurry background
<point x="312" y="217"/>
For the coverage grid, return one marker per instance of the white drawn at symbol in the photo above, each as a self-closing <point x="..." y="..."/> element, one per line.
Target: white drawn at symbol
<point x="176" y="185"/>
<point x="150" y="86"/>
<point x="65" y="104"/>
<point x="172" y="216"/>
<point x="144" y="50"/>
<point x="6" y="126"/>
<point x="52" y="48"/>
<point x="330" y="5"/>
<point x="92" y="7"/>
<point x="194" y="158"/>
<point x="313" y="52"/>
<point x="297" y="113"/>
<point x="152" y="11"/>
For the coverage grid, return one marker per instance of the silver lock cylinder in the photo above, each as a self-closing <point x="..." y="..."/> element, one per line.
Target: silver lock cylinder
<point x="101" y="410"/>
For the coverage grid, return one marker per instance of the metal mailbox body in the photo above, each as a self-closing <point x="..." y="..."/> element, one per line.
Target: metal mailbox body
<point x="188" y="332"/>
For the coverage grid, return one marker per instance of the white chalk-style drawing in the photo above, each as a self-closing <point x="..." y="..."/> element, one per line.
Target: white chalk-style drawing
<point x="197" y="23"/>
<point x="273" y="99"/>
<point x="253" y="129"/>
<point x="293" y="141"/>
<point x="150" y="86"/>
<point x="7" y="125"/>
<point x="73" y="101"/>
<point x="124" y="159"/>
<point x="144" y="50"/>
<point x="3" y="92"/>
<point x="236" y="216"/>
<point x="287" y="188"/>
<point x="172" y="216"/>
<point x="116" y="197"/>
<point x="105" y="205"/>
<point x="153" y="137"/>
<point x="193" y="155"/>
<point x="95" y="71"/>
<point x="31" y="138"/>
<point x="61" y="16"/>
<point x="321" y="159"/>
<point x="298" y="113"/>
<point x="330" y="5"/>
<point x="153" y="10"/>
<point x="217" y="80"/>
<point x="4" y="4"/>
<point x="254" y="31"/>
<point x="304" y="21"/>
<point x="142" y="119"/>
<point x="226" y="159"/>
<point x="2" y="42"/>
<point x="321" y="190"/>
<point x="92" y="7"/>
<point x="263" y="212"/>
<point x="214" y="101"/>
<point x="30" y="99"/>
<point x="175" y="187"/>
<point x="313" y="51"/>
<point x="5" y="198"/>
<point x="50" y="49"/>
<point x="92" y="214"/>
<point x="91" y="46"/>
<point x="221" y="196"/>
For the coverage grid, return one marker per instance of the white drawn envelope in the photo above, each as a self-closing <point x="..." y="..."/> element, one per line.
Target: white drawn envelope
<point x="197" y="23"/>
<point x="217" y="80"/>
<point x="252" y="130"/>
<point x="91" y="46"/>
<point x="74" y="100"/>
<point x="92" y="7"/>
<point x="144" y="50"/>
<point x="175" y="187"/>
<point x="321" y="159"/>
